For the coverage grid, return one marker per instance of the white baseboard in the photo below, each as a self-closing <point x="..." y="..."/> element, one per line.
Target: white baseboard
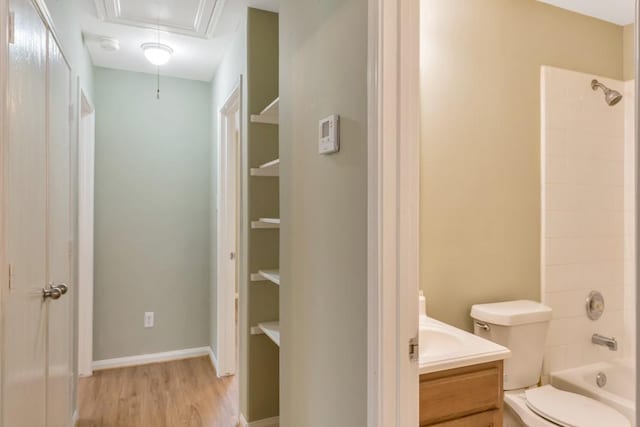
<point x="144" y="359"/>
<point x="267" y="422"/>
<point x="75" y="418"/>
<point x="214" y="360"/>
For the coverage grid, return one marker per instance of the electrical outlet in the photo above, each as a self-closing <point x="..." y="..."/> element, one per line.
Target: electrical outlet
<point x="148" y="319"/>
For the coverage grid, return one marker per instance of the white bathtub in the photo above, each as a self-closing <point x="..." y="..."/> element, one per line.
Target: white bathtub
<point x="618" y="393"/>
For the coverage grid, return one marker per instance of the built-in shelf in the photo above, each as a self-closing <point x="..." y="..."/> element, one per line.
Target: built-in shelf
<point x="266" y="223"/>
<point x="269" y="275"/>
<point x="271" y="168"/>
<point x="270" y="329"/>
<point x="269" y="115"/>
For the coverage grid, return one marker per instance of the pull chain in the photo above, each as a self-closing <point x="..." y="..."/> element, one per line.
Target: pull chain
<point x="158" y="84"/>
<point x="158" y="68"/>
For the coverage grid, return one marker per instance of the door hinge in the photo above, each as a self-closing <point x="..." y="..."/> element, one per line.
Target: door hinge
<point x="12" y="28"/>
<point x="414" y="349"/>
<point x="10" y="277"/>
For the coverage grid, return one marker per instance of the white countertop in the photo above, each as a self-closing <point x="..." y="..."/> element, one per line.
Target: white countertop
<point x="443" y="347"/>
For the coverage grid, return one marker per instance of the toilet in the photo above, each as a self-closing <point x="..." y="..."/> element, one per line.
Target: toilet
<point x="521" y="326"/>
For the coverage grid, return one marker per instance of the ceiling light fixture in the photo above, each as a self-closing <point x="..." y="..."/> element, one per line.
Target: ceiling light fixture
<point x="157" y="53"/>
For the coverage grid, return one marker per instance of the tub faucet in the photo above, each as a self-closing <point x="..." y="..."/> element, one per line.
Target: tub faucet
<point x="610" y="342"/>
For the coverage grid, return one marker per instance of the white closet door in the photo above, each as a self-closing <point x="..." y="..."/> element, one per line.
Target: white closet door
<point x="24" y="387"/>
<point x="59" y="346"/>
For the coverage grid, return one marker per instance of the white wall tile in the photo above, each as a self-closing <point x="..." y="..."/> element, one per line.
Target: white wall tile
<point x="587" y="221"/>
<point x="582" y="276"/>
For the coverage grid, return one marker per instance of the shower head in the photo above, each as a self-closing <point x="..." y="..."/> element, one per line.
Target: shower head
<point x="611" y="97"/>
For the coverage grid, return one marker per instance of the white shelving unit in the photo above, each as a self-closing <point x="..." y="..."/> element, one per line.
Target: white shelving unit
<point x="271" y="168"/>
<point x="266" y="275"/>
<point x="266" y="223"/>
<point x="270" y="329"/>
<point x="270" y="115"/>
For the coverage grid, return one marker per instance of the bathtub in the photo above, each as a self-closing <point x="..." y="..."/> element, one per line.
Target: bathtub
<point x="618" y="393"/>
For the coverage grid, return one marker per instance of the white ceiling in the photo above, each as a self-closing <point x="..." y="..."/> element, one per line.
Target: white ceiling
<point x="621" y="12"/>
<point x="198" y="31"/>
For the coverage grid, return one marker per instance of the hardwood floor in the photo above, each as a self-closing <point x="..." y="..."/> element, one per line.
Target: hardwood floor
<point x="173" y="394"/>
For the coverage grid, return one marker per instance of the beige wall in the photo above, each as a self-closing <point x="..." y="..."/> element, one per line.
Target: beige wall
<point x="323" y="205"/>
<point x="629" y="53"/>
<point x="480" y="178"/>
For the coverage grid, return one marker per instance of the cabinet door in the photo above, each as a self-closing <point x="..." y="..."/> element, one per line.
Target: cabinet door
<point x="59" y="342"/>
<point x="24" y="387"/>
<point x="484" y="419"/>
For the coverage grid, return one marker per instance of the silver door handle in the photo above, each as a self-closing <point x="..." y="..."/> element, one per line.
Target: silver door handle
<point x="62" y="287"/>
<point x="53" y="293"/>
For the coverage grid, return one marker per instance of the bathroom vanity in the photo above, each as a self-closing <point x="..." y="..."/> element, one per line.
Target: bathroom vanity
<point x="461" y="377"/>
<point x="468" y="396"/>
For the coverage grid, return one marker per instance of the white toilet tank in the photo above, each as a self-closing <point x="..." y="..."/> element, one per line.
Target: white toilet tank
<point x="521" y="326"/>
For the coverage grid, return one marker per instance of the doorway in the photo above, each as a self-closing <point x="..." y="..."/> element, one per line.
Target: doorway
<point x="228" y="221"/>
<point x="86" y="176"/>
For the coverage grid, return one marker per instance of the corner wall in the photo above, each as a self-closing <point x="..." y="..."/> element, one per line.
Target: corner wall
<point x="229" y="72"/>
<point x="630" y="214"/>
<point x="66" y="18"/>
<point x="323" y="206"/>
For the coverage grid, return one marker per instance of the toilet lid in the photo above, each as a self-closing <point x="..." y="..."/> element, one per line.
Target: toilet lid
<point x="571" y="409"/>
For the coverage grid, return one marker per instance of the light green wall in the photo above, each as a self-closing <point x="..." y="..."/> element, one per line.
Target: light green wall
<point x="66" y="18"/>
<point x="151" y="213"/>
<point x="323" y="204"/>
<point x="480" y="150"/>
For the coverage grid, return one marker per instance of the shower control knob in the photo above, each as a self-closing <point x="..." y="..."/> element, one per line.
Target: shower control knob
<point x="595" y="305"/>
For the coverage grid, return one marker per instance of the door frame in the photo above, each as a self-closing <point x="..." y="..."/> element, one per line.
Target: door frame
<point x="393" y="219"/>
<point x="226" y="324"/>
<point x="4" y="17"/>
<point x="86" y="191"/>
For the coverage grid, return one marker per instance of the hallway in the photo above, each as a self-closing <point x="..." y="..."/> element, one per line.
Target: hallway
<point x="173" y="394"/>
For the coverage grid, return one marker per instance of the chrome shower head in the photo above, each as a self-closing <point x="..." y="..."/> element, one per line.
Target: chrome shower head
<point x="611" y="97"/>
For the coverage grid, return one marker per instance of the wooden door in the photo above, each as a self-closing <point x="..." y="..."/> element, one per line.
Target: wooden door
<point x="59" y="341"/>
<point x="24" y="382"/>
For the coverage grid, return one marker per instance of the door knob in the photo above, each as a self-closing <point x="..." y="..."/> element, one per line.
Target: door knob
<point x="53" y="293"/>
<point x="62" y="287"/>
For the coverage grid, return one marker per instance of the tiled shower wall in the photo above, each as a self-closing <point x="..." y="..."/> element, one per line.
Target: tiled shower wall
<point x="583" y="215"/>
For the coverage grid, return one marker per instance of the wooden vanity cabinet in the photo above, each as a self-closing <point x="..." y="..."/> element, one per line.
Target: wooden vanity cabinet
<point x="463" y="397"/>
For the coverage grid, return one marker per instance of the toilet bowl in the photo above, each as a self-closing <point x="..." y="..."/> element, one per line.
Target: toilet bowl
<point x="547" y="406"/>
<point x="521" y="326"/>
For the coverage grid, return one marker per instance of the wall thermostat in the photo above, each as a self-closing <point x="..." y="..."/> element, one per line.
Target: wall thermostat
<point x="329" y="135"/>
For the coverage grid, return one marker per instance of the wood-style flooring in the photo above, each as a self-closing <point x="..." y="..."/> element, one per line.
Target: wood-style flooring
<point x="182" y="393"/>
